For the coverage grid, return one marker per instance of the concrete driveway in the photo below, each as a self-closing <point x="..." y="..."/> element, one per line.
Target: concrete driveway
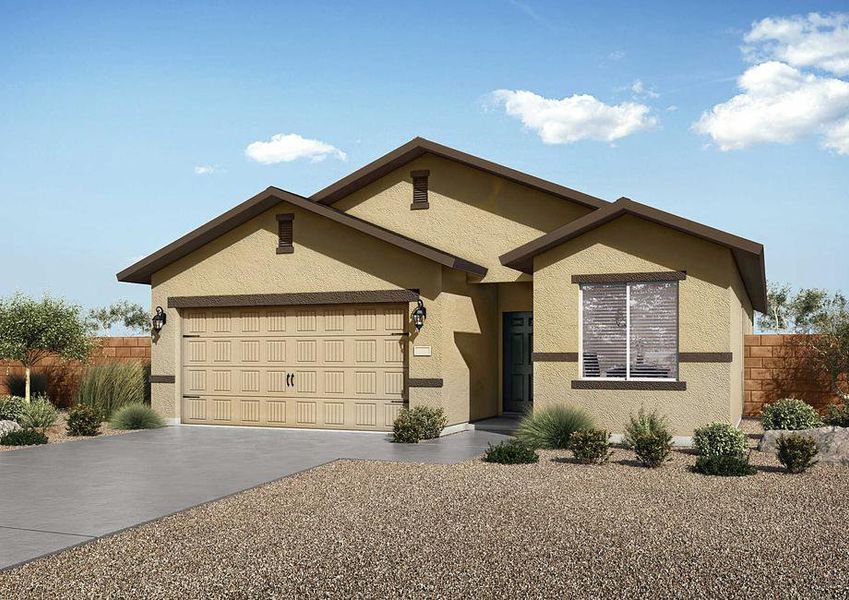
<point x="56" y="496"/>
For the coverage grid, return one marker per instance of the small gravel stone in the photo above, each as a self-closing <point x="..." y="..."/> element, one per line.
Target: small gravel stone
<point x="555" y="529"/>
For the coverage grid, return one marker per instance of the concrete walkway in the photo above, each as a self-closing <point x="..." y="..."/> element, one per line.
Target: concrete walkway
<point x="57" y="496"/>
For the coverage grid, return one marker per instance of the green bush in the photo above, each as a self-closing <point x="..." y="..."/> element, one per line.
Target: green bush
<point x="110" y="386"/>
<point x="513" y="452"/>
<point x="790" y="414"/>
<point x="136" y="416"/>
<point x="418" y="423"/>
<point x="591" y="446"/>
<point x="653" y="449"/>
<point x="39" y="414"/>
<point x="838" y="416"/>
<point x="11" y="408"/>
<point x="552" y="427"/>
<point x="797" y="452"/>
<point x="23" y="437"/>
<point x="83" y="420"/>
<point x="720" y="439"/>
<point x="17" y="384"/>
<point x="644" y="424"/>
<point x="727" y="465"/>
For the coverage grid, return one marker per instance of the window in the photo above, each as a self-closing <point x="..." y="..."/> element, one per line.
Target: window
<point x="419" y="190"/>
<point x="629" y="330"/>
<point x="285" y="233"/>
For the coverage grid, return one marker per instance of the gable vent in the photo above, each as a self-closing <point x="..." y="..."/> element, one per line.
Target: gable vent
<point x="285" y="233"/>
<point x="419" y="190"/>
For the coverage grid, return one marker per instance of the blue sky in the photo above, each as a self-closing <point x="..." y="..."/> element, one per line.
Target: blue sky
<point x="107" y="112"/>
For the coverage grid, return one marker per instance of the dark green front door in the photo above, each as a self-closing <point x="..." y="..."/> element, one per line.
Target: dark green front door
<point x="518" y="366"/>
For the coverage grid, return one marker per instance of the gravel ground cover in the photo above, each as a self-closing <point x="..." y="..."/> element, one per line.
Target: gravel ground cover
<point x="58" y="434"/>
<point x="554" y="529"/>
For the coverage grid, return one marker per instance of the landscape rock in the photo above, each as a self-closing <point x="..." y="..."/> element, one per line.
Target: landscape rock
<point x="832" y="442"/>
<point x="7" y="426"/>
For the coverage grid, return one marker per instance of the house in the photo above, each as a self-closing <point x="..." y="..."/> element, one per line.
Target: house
<point x="296" y="312"/>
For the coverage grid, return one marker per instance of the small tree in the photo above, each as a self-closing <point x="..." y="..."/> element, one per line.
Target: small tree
<point x="132" y="316"/>
<point x="31" y="329"/>
<point x="829" y="342"/>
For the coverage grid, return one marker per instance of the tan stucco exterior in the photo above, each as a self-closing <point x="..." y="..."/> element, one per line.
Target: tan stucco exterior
<point x="473" y="214"/>
<point x="479" y="216"/>
<point x="708" y="322"/>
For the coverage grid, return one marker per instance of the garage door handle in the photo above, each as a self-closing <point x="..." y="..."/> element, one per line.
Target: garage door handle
<point x="293" y="379"/>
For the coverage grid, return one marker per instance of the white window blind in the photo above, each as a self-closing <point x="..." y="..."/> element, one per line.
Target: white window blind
<point x="630" y="331"/>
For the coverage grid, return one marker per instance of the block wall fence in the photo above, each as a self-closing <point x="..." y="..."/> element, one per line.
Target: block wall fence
<point x="63" y="377"/>
<point x="777" y="366"/>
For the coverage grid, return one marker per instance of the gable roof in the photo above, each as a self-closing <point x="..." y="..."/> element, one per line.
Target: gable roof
<point x="141" y="271"/>
<point x="419" y="146"/>
<point x="748" y="255"/>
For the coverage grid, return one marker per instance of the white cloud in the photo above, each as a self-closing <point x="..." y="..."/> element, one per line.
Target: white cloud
<point x="616" y="55"/>
<point x="780" y="103"/>
<point x="205" y="170"/>
<point x="671" y="108"/>
<point x="575" y="118"/>
<point x="291" y="146"/>
<point x="641" y="91"/>
<point x="813" y="41"/>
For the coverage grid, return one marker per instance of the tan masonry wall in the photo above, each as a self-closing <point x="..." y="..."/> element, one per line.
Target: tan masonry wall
<point x="777" y="366"/>
<point x="63" y="377"/>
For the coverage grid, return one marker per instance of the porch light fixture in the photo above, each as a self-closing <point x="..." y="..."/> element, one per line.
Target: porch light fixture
<point x="419" y="316"/>
<point x="158" y="320"/>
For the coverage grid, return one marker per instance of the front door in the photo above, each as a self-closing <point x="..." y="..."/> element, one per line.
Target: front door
<point x="518" y="366"/>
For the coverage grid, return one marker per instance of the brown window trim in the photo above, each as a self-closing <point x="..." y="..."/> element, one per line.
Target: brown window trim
<point x="630" y="277"/>
<point x="295" y="299"/>
<point x="163" y="379"/>
<point x="285" y="234"/>
<point x="613" y="384"/>
<point x="705" y="357"/>
<point x="554" y="357"/>
<point x="420" y="184"/>
<point x="424" y="383"/>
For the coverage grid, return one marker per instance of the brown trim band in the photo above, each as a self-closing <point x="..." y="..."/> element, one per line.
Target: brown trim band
<point x="554" y="357"/>
<point x="424" y="383"/>
<point x="295" y="299"/>
<point x="705" y="357"/>
<point x="163" y="379"/>
<point x="630" y="277"/>
<point x="608" y="384"/>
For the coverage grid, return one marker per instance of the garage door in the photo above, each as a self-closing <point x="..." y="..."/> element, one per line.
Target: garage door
<point x="339" y="367"/>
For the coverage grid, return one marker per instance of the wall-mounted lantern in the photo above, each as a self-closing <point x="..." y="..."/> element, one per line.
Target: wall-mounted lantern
<point x="419" y="316"/>
<point x="158" y="320"/>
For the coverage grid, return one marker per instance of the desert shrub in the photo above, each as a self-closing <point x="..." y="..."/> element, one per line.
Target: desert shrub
<point x="7" y="426"/>
<point x="513" y="452"/>
<point x="797" y="452"/>
<point x="591" y="446"/>
<point x="653" y="449"/>
<point x="552" y="427"/>
<point x="790" y="414"/>
<point x="17" y="384"/>
<point x="838" y="416"/>
<point x="643" y="424"/>
<point x="39" y="414"/>
<point x="11" y="408"/>
<point x="23" y="437"/>
<point x="136" y="416"/>
<point x="83" y="420"/>
<point x="720" y="439"/>
<point x="724" y="465"/>
<point x="110" y="386"/>
<point x="418" y="423"/>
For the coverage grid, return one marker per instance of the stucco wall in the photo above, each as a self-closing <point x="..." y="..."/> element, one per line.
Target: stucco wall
<point x="330" y="257"/>
<point x="629" y="244"/>
<point x="472" y="214"/>
<point x="741" y="325"/>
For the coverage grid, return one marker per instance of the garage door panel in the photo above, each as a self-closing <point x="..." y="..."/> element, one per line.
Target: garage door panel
<point x="336" y="367"/>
